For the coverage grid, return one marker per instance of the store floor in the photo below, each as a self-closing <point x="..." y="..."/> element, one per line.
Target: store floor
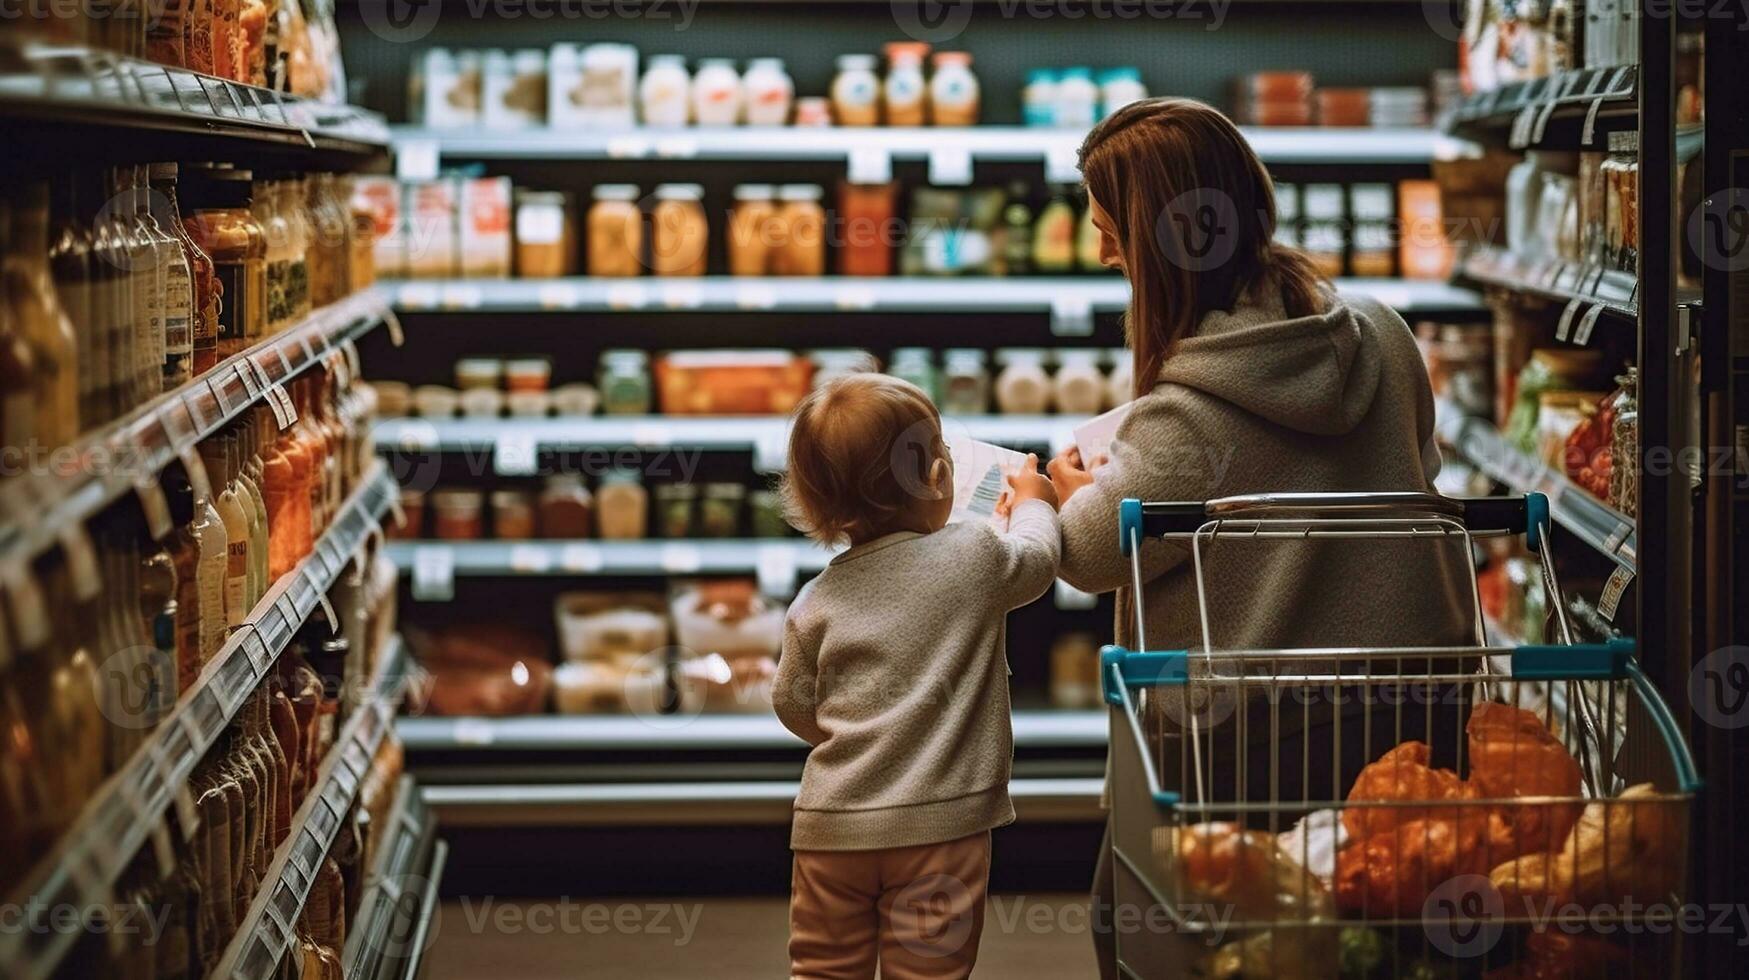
<point x="1025" y="936"/>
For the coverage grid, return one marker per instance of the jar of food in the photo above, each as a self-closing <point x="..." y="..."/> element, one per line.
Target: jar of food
<point x="413" y="510"/>
<point x="1022" y="386"/>
<point x="868" y="229"/>
<point x="624" y="382"/>
<point x="965" y="382"/>
<point x="813" y="111"/>
<point x="800" y="249"/>
<point x="1038" y="99"/>
<point x="528" y="404"/>
<point x="527" y="374"/>
<point x="575" y="399"/>
<point x="616" y="231"/>
<point x="622" y="505"/>
<point x="674" y="508"/>
<point x="719" y="510"/>
<point x="765" y="515"/>
<point x="456" y="514"/>
<point x="566" y="508"/>
<point x="916" y="365"/>
<point x="906" y="94"/>
<point x="953" y="91"/>
<point x="750" y="231"/>
<point x="1077" y="99"/>
<point x="394" y="398"/>
<point x="1622" y="201"/>
<point x="769" y="92"/>
<point x="435" y="401"/>
<point x="679" y="231"/>
<point x="478" y="372"/>
<point x="482" y="403"/>
<point x="1624" y="446"/>
<point x="717" y="93"/>
<point x="541" y="235"/>
<point x="1120" y="383"/>
<point x="226" y="229"/>
<point x="856" y="91"/>
<point x="513" y="515"/>
<point x="1053" y="236"/>
<point x="1079" y="386"/>
<point x="665" y="92"/>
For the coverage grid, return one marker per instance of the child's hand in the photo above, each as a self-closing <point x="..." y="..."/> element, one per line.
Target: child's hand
<point x="1029" y="484"/>
<point x="1068" y="474"/>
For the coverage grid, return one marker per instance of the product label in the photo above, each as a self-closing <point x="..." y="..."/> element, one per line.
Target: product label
<point x="210" y="577"/>
<point x="236" y="583"/>
<point x="148" y="314"/>
<point x="539" y="225"/>
<point x="279" y="300"/>
<point x="232" y="302"/>
<point x="178" y="309"/>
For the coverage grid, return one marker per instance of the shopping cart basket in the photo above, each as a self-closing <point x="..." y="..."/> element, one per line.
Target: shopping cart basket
<point x="1432" y="811"/>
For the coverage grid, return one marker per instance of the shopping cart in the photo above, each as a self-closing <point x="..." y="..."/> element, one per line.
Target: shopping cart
<point x="1433" y="811"/>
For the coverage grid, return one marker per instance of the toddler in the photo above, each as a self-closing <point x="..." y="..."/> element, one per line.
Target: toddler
<point x="894" y="669"/>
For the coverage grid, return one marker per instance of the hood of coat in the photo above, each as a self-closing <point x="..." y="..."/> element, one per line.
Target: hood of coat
<point x="1314" y="374"/>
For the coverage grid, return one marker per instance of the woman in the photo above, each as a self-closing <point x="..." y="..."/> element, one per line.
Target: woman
<point x="1251" y="376"/>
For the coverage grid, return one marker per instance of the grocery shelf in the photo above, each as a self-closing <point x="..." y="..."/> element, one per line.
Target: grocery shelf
<point x="1525" y="109"/>
<point x="50" y="502"/>
<point x="1066" y="297"/>
<point x="72" y="95"/>
<point x="1582" y="285"/>
<point x="577" y="733"/>
<point x="433" y="564"/>
<point x="385" y="937"/>
<point x="1591" y="520"/>
<point x="270" y="923"/>
<point x="1285" y="145"/>
<point x="131" y="805"/>
<point x="1036" y="800"/>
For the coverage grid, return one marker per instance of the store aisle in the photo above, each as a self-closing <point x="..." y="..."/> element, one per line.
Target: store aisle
<point x="1025" y="936"/>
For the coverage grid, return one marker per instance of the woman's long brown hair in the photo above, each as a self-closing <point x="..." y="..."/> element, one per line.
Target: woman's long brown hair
<point x="1193" y="211"/>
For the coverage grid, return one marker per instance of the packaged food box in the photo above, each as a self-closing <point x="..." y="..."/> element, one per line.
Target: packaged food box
<point x="755" y="382"/>
<point x="485" y="227"/>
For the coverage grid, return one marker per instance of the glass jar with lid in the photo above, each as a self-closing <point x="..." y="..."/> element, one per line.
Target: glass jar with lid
<point x="622" y="505"/>
<point x="513" y="515"/>
<point x="1023" y="386"/>
<point x="750" y="231"/>
<point x="1079" y="385"/>
<point x="624" y="382"/>
<point x="769" y="92"/>
<point x="679" y="231"/>
<point x="719" y="510"/>
<point x="542" y="235"/>
<point x="224" y="227"/>
<point x="675" y="505"/>
<point x="615" y="232"/>
<point x="965" y="382"/>
<point x="800" y="246"/>
<point x="953" y="90"/>
<point x="916" y="365"/>
<point x="856" y="91"/>
<point x="566" y="507"/>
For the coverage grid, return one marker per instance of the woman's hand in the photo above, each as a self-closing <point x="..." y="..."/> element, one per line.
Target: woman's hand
<point x="1027" y="483"/>
<point x="1067" y="473"/>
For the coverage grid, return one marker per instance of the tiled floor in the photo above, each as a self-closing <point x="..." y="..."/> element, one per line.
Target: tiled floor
<point x="1031" y="936"/>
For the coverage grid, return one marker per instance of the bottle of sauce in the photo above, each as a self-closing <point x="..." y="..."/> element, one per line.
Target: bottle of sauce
<point x="1087" y="243"/>
<point x="203" y="313"/>
<point x="70" y="266"/>
<point x="665" y="92"/>
<point x="249" y="481"/>
<point x="750" y="230"/>
<point x="679" y="231"/>
<point x="203" y="533"/>
<point x="179" y="275"/>
<point x="769" y="92"/>
<point x="267" y="208"/>
<point x="801" y="247"/>
<point x="622" y="505"/>
<point x="294" y="202"/>
<point x="30" y="291"/>
<point x="869" y="233"/>
<point x="566" y="507"/>
<point x="112" y="302"/>
<point x="856" y="91"/>
<point x="328" y="247"/>
<point x="17" y="374"/>
<point x="315" y="446"/>
<point x="616" y="231"/>
<point x="223" y="227"/>
<point x="219" y="454"/>
<point x="953" y="90"/>
<point x="1053" y="237"/>
<point x="56" y="680"/>
<point x="157" y="577"/>
<point x="716" y="93"/>
<point x="145" y="254"/>
<point x="906" y="94"/>
<point x="1016" y="251"/>
<point x="288" y="499"/>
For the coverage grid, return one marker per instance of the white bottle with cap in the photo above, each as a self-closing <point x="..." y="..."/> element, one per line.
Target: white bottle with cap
<point x="769" y="92"/>
<point x="716" y="93"/>
<point x="665" y="92"/>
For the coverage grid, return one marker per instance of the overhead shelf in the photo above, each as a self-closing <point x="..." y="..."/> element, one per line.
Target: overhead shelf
<point x="97" y="849"/>
<point x="67" y="93"/>
<point x="127" y="455"/>
<point x="579" y="733"/>
<point x="1610" y="291"/>
<point x="269" y="926"/>
<point x="1065" y="297"/>
<point x="1036" y="800"/>
<point x="1591" y="520"/>
<point x="1521" y="113"/>
<point x="1056" y="147"/>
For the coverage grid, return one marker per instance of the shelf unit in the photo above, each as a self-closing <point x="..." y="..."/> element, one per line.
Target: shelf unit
<point x="46" y="506"/>
<point x="1592" y="521"/>
<point x="1063" y="297"/>
<point x="131" y="805"/>
<point x="271" y="920"/>
<point x="1055" y="147"/>
<point x="433" y="565"/>
<point x="1609" y="291"/>
<point x="390" y="932"/>
<point x="1525" y="109"/>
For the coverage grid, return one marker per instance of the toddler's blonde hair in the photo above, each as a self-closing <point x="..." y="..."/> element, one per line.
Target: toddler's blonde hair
<point x="862" y="451"/>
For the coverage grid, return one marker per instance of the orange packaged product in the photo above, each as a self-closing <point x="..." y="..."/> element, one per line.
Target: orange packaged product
<point x="732" y="382"/>
<point x="1344" y="106"/>
<point x="1391" y="874"/>
<point x="1513" y="755"/>
<point x="1401" y="775"/>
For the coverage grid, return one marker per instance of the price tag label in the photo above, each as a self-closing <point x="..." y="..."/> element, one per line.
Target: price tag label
<point x="855" y="298"/>
<point x="285" y="414"/>
<point x="462" y="297"/>
<point x="416" y="159"/>
<point x="473" y="731"/>
<point x="626" y="296"/>
<point x="245" y="370"/>
<point x="1564" y="328"/>
<point x="682" y="296"/>
<point x="651" y="435"/>
<point x="1542" y="121"/>
<point x="433" y="574"/>
<point x="1589" y="129"/>
<point x="950" y="166"/>
<point x="1062" y="164"/>
<point x="195" y="469"/>
<point x="755" y="297"/>
<point x="1613" y="543"/>
<point x="775" y="566"/>
<point x="581" y="559"/>
<point x="558" y="296"/>
<point x="677" y="148"/>
<point x="1610" y="600"/>
<point x="681" y="559"/>
<point x="288" y="609"/>
<point x="515" y="454"/>
<point x="1071" y="316"/>
<point x="1521" y="125"/>
<point x="392" y="323"/>
<point x="530" y="559"/>
<point x="627" y="148"/>
<point x="869" y="165"/>
<point x="255" y="648"/>
<point x="417" y="296"/>
<point x="1587" y="323"/>
<point x="328" y="612"/>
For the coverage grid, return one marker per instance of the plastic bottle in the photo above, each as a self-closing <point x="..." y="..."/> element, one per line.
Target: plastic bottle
<point x="905" y="92"/>
<point x="665" y="92"/>
<point x="1077" y="99"/>
<point x="768" y="92"/>
<point x="1038" y="100"/>
<point x="716" y="93"/>
<point x="856" y="91"/>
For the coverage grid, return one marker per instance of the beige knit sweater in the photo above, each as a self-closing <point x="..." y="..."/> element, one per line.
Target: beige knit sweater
<point x="894" y="669"/>
<point x="1256" y="402"/>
